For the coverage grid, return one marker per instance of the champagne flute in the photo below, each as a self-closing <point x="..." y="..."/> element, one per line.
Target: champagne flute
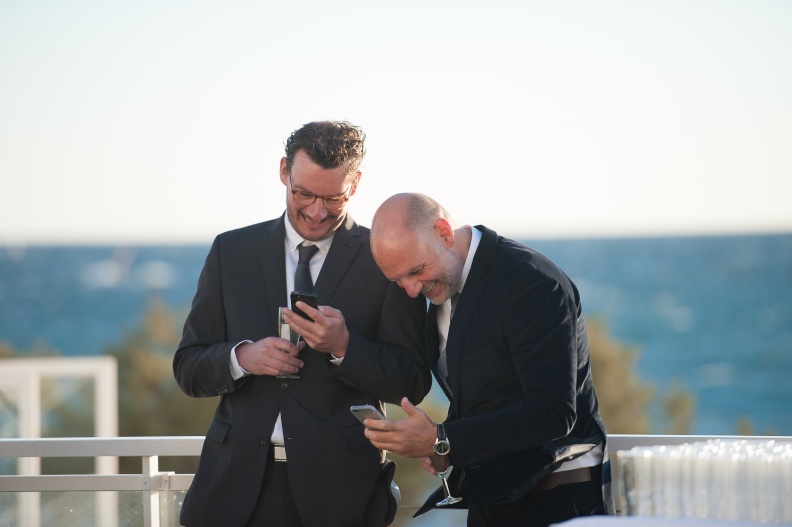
<point x="286" y="332"/>
<point x="448" y="500"/>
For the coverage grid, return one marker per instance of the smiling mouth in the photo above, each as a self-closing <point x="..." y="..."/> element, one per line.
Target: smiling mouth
<point x="428" y="289"/>
<point x="306" y="219"/>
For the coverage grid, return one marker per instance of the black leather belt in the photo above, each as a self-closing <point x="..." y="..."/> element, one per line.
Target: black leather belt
<point x="554" y="479"/>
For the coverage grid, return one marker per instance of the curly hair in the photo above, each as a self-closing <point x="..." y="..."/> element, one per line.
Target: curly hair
<point x="329" y="144"/>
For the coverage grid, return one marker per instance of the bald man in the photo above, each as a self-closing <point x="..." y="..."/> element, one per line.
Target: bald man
<point x="505" y="338"/>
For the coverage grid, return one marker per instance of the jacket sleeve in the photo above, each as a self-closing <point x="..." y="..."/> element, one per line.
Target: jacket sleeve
<point x="393" y="364"/>
<point x="201" y="364"/>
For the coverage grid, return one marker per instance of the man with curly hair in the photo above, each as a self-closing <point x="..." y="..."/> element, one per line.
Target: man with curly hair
<point x="283" y="448"/>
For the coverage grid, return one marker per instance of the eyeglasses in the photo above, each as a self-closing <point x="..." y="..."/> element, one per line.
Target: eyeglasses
<point x="304" y="198"/>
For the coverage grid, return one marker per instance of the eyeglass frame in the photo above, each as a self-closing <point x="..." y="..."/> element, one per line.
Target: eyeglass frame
<point x="344" y="199"/>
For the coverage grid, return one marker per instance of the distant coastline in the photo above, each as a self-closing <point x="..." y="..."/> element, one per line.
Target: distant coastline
<point x="712" y="313"/>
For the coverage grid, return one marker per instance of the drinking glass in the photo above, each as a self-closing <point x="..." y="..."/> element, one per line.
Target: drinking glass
<point x="286" y="332"/>
<point x="448" y="500"/>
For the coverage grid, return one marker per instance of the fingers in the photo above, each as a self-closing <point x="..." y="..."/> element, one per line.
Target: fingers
<point x="380" y="424"/>
<point x="281" y="362"/>
<point x="411" y="437"/>
<point x="270" y="356"/>
<point x="426" y="463"/>
<point x="435" y="464"/>
<point x="326" y="333"/>
<point x="440" y="463"/>
<point x="381" y="438"/>
<point x="324" y="316"/>
<point x="406" y="437"/>
<point x="296" y="321"/>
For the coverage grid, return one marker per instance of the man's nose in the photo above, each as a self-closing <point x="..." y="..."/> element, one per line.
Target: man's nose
<point x="316" y="210"/>
<point x="412" y="287"/>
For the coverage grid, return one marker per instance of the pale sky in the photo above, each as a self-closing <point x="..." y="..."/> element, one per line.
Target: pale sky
<point x="164" y="121"/>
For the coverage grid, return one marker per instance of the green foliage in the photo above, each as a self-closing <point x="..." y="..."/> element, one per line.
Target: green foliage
<point x="746" y="428"/>
<point x="624" y="399"/>
<point x="39" y="349"/>
<point x="678" y="406"/>
<point x="150" y="402"/>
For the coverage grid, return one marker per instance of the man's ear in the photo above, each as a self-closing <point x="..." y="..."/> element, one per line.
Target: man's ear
<point x="355" y="183"/>
<point x="444" y="231"/>
<point x="284" y="172"/>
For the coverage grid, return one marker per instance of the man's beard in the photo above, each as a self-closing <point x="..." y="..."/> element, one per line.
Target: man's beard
<point x="452" y="280"/>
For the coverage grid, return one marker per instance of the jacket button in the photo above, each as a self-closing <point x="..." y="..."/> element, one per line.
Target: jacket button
<point x="284" y="386"/>
<point x="264" y="440"/>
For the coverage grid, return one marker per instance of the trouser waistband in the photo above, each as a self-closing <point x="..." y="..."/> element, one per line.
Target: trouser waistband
<point x="554" y="479"/>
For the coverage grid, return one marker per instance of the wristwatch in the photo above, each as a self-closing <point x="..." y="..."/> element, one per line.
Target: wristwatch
<point x="441" y="446"/>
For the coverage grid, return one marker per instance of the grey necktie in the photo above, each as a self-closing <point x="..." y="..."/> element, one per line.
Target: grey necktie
<point x="302" y="277"/>
<point x="442" y="362"/>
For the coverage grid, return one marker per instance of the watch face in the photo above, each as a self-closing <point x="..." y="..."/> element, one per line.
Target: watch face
<point x="442" y="448"/>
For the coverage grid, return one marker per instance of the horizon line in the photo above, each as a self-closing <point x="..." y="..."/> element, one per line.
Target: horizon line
<point x="194" y="241"/>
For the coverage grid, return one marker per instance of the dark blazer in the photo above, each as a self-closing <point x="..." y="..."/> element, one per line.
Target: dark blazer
<point x="522" y="399"/>
<point x="334" y="470"/>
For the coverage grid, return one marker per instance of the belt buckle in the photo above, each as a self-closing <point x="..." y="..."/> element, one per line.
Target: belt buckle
<point x="279" y="453"/>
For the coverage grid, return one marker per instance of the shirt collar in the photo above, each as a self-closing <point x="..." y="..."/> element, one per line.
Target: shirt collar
<point x="475" y="239"/>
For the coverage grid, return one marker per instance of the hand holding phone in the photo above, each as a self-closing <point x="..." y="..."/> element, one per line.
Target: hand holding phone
<point x="309" y="298"/>
<point x="365" y="411"/>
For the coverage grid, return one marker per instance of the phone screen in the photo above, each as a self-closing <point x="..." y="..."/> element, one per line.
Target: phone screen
<point x="309" y="298"/>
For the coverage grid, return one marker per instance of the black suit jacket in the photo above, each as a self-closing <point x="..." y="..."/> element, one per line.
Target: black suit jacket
<point x="522" y="399"/>
<point x="334" y="470"/>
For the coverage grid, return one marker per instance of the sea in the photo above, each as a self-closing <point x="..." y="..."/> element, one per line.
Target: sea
<point x="709" y="314"/>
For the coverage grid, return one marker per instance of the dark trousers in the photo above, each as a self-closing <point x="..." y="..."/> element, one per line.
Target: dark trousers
<point x="542" y="508"/>
<point x="275" y="507"/>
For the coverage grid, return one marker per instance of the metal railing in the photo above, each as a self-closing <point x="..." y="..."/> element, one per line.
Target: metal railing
<point x="152" y="482"/>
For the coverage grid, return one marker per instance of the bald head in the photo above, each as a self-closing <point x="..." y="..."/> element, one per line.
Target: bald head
<point x="405" y="216"/>
<point x="413" y="243"/>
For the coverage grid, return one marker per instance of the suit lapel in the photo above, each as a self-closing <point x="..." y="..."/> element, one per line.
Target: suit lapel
<point x="467" y="306"/>
<point x="346" y="245"/>
<point x="271" y="255"/>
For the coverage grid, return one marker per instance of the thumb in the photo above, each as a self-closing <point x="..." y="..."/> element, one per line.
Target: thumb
<point x="410" y="409"/>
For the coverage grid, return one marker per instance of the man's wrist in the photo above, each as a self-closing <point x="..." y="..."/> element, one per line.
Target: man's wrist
<point x="237" y="371"/>
<point x="339" y="354"/>
<point x="442" y="446"/>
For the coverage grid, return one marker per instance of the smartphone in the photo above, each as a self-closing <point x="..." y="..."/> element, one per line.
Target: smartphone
<point x="309" y="298"/>
<point x="365" y="411"/>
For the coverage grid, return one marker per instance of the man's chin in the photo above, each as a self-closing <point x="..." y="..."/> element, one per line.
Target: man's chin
<point x="438" y="298"/>
<point x="315" y="231"/>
